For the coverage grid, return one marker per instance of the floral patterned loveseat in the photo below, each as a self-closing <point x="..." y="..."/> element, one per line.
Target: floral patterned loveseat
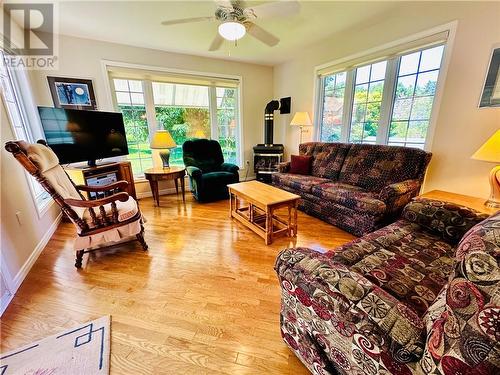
<point x="420" y="296"/>
<point x="356" y="187"/>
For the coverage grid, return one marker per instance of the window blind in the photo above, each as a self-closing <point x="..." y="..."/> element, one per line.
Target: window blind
<point x="385" y="54"/>
<point x="171" y="77"/>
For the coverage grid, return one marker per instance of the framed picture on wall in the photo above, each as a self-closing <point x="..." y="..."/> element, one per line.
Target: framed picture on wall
<point x="491" y="90"/>
<point x="72" y="93"/>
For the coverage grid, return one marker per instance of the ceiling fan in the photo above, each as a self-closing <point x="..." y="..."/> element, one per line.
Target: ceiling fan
<point x="236" y="19"/>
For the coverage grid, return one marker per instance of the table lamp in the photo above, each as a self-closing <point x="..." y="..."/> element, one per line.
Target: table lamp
<point x="163" y="141"/>
<point x="490" y="151"/>
<point x="301" y="119"/>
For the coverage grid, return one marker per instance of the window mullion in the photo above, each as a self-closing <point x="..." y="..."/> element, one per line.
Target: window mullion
<point x="391" y="74"/>
<point x="239" y="129"/>
<point x="212" y="103"/>
<point x="150" y="107"/>
<point x="318" y="129"/>
<point x="113" y="94"/>
<point x="347" y="109"/>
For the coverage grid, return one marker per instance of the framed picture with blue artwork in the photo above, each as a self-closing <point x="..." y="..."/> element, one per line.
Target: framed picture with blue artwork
<point x="72" y="93"/>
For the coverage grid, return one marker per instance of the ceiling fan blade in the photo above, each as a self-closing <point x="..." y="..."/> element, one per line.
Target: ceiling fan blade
<point x="231" y="3"/>
<point x="216" y="43"/>
<point x="187" y="20"/>
<point x="224" y="3"/>
<point x="239" y="3"/>
<point x="259" y="33"/>
<point x="281" y="8"/>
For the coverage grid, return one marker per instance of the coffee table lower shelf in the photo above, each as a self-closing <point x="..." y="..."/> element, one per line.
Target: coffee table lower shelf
<point x="257" y="222"/>
<point x="263" y="221"/>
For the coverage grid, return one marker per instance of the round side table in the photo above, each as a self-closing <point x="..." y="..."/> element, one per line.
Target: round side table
<point x="153" y="175"/>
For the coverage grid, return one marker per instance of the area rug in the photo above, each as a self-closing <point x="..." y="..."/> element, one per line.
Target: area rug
<point x="81" y="350"/>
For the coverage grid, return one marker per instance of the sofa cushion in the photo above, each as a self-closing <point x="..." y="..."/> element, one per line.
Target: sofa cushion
<point x="300" y="164"/>
<point x="350" y="196"/>
<point x="448" y="220"/>
<point x="464" y="321"/>
<point x="338" y="308"/>
<point x="327" y="157"/>
<point x="408" y="263"/>
<point x="374" y="166"/>
<point x="483" y="237"/>
<point x="297" y="182"/>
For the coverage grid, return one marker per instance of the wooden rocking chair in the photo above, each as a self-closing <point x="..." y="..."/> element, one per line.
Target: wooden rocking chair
<point x="117" y="217"/>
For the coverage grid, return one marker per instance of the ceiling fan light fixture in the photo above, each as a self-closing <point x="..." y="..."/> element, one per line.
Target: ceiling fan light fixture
<point x="232" y="30"/>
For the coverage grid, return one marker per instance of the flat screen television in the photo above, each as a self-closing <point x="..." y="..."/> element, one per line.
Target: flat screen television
<point x="77" y="135"/>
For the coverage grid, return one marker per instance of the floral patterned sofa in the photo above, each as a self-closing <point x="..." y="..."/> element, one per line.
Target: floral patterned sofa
<point x="357" y="187"/>
<point x="420" y="296"/>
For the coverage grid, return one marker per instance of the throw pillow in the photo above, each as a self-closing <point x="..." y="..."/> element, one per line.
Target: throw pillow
<point x="300" y="164"/>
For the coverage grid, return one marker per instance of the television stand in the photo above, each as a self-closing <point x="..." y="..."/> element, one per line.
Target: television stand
<point x="81" y="175"/>
<point x="88" y="165"/>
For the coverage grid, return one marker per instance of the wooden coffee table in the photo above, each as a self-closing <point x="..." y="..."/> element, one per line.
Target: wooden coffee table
<point x="253" y="204"/>
<point x="153" y="175"/>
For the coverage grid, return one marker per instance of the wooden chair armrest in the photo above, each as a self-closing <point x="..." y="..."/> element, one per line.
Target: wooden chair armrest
<point x="122" y="197"/>
<point x="115" y="185"/>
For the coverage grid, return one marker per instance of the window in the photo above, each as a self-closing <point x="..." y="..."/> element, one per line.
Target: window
<point x="367" y="100"/>
<point x="130" y="101"/>
<point x="17" y="116"/>
<point x="333" y="105"/>
<point x="387" y="102"/>
<point x="227" y="122"/>
<point x="415" y="89"/>
<point x="186" y="110"/>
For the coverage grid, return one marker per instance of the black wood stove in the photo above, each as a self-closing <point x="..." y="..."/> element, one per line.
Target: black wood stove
<point x="267" y="156"/>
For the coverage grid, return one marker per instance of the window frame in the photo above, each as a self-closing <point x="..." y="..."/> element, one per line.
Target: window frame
<point x="41" y="199"/>
<point x="149" y="99"/>
<point x="352" y="89"/>
<point x="389" y="86"/>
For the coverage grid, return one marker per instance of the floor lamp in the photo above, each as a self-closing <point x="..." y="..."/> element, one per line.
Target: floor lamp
<point x="301" y="119"/>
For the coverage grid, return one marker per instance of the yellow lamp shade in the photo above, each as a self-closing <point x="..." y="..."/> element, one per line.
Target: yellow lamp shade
<point x="162" y="139"/>
<point x="301" y="119"/>
<point x="199" y="134"/>
<point x="490" y="150"/>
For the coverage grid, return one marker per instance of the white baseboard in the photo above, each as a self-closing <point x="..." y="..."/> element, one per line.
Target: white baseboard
<point x="147" y="193"/>
<point x="4" y="302"/>
<point x="23" y="272"/>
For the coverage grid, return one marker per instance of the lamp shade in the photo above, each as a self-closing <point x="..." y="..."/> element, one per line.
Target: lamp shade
<point x="301" y="119"/>
<point x="490" y="150"/>
<point x="162" y="139"/>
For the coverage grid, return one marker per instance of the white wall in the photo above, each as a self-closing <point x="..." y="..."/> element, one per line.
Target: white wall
<point x="21" y="242"/>
<point x="81" y="58"/>
<point x="461" y="126"/>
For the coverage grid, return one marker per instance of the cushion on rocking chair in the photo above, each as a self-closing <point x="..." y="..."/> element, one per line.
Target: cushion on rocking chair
<point x="126" y="210"/>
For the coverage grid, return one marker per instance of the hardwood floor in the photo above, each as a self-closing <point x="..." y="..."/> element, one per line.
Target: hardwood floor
<point x="204" y="299"/>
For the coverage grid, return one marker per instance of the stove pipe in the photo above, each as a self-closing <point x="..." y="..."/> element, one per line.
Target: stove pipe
<point x="272" y="106"/>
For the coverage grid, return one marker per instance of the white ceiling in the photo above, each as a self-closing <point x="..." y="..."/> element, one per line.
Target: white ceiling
<point x="137" y="23"/>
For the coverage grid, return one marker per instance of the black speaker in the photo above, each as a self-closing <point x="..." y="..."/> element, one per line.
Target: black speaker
<point x="285" y="104"/>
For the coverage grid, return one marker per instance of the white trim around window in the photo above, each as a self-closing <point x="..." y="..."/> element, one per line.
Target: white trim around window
<point x="151" y="73"/>
<point x="391" y="53"/>
<point x="25" y="125"/>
